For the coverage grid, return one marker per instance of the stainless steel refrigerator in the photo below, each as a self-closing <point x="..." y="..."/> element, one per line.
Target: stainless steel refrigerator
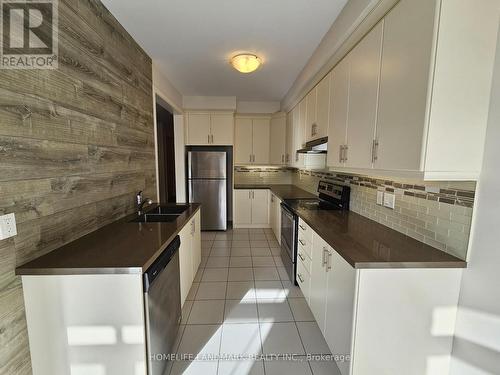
<point x="208" y="184"/>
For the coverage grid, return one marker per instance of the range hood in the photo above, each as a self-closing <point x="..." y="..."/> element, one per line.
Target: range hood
<point x="318" y="146"/>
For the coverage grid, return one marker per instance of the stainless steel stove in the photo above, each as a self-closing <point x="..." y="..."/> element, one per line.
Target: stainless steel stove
<point x="331" y="197"/>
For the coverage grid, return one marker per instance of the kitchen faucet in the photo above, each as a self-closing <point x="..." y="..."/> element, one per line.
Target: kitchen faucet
<point x="141" y="202"/>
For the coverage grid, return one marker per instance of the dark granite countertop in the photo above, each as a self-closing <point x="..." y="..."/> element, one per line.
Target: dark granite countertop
<point x="364" y="243"/>
<point x="281" y="191"/>
<point x="122" y="247"/>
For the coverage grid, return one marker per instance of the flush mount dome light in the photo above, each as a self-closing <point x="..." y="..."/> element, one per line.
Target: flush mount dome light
<point x="246" y="62"/>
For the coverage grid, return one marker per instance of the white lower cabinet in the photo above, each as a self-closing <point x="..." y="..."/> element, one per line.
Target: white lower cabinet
<point x="189" y="254"/>
<point x="275" y="216"/>
<point x="379" y="321"/>
<point x="319" y="274"/>
<point x="251" y="208"/>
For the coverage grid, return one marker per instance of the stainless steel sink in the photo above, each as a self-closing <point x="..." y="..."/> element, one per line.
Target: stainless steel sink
<point x="155" y="218"/>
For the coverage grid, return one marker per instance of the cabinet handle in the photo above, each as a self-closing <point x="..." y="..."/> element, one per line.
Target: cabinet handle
<point x="346" y="147"/>
<point x="249" y="194"/>
<point x="341" y="151"/>
<point x="254" y="158"/>
<point x="314" y="130"/>
<point x="301" y="257"/>
<point x="302" y="227"/>
<point x="282" y="158"/>
<point x="323" y="258"/>
<point x="208" y="138"/>
<point x="250" y="158"/>
<point x="272" y="198"/>
<point x="302" y="242"/>
<point x="300" y="277"/>
<point x="375" y="150"/>
<point x="328" y="261"/>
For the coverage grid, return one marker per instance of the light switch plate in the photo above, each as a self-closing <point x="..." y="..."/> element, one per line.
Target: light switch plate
<point x="380" y="197"/>
<point x="7" y="226"/>
<point x="389" y="200"/>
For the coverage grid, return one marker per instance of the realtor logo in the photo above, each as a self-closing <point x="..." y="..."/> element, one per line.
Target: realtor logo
<point x="28" y="34"/>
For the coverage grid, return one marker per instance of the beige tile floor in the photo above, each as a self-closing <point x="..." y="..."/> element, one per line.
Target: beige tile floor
<point x="243" y="315"/>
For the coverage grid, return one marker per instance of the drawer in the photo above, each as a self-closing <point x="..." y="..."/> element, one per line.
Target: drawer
<point x="304" y="280"/>
<point x="304" y="244"/>
<point x="303" y="258"/>
<point x="305" y="231"/>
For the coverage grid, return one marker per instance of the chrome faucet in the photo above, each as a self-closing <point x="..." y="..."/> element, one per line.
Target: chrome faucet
<point x="141" y="202"/>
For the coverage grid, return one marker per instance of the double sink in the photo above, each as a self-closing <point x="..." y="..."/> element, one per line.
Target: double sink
<point x="161" y="214"/>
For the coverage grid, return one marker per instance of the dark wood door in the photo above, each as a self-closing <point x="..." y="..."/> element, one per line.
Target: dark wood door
<point x="166" y="154"/>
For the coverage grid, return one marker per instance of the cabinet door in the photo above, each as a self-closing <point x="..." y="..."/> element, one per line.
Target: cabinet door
<point x="222" y="129"/>
<point x="311" y="126"/>
<point x="260" y="207"/>
<point x="289" y="151"/>
<point x="341" y="293"/>
<point x="196" y="242"/>
<point x="185" y="262"/>
<point x="198" y="128"/>
<point x="260" y="137"/>
<point x="304" y="281"/>
<point x="278" y="220"/>
<point x="300" y="132"/>
<point x="408" y="34"/>
<point x="363" y="99"/>
<point x="318" y="286"/>
<point x="272" y="212"/>
<point x="243" y="141"/>
<point x="339" y="102"/>
<point x="297" y="139"/>
<point x="323" y="107"/>
<point x="278" y="140"/>
<point x="242" y="207"/>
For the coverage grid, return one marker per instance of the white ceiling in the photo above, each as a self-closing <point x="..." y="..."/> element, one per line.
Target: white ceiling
<point x="191" y="41"/>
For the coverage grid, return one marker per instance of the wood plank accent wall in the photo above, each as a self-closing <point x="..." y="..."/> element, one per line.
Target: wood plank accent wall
<point x="75" y="145"/>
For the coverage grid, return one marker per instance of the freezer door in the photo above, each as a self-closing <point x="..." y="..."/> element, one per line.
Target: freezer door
<point x="212" y="195"/>
<point x="206" y="164"/>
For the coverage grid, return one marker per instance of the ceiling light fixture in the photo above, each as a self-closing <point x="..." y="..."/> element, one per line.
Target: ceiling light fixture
<point x="246" y="62"/>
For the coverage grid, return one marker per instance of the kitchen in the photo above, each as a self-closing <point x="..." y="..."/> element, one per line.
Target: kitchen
<point x="236" y="188"/>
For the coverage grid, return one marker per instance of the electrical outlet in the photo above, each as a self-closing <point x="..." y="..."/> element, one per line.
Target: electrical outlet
<point x="7" y="226"/>
<point x="389" y="200"/>
<point x="380" y="197"/>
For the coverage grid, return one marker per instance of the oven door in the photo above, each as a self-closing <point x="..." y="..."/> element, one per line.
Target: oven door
<point x="288" y="241"/>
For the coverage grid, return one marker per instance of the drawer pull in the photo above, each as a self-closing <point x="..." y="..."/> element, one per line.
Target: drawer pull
<point x="302" y="242"/>
<point x="300" y="277"/>
<point x="301" y="257"/>
<point x="302" y="227"/>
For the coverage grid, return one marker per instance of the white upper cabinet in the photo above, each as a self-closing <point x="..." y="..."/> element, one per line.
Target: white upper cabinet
<point x="408" y="35"/>
<point x="252" y="140"/>
<point x="243" y="149"/>
<point x="198" y="128"/>
<point x="322" y="108"/>
<point x="222" y="128"/>
<point x="417" y="99"/>
<point x="339" y="103"/>
<point x="289" y="144"/>
<point x="278" y="138"/>
<point x="203" y="128"/>
<point x="364" y="61"/>
<point x="260" y="138"/>
<point x="311" y="126"/>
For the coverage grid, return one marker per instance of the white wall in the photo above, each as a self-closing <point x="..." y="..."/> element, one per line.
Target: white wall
<point x="257" y="107"/>
<point x="163" y="88"/>
<point x="209" y="102"/>
<point x="476" y="346"/>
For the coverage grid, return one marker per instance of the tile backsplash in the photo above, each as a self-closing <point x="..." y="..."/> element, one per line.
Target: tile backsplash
<point x="262" y="175"/>
<point x="436" y="213"/>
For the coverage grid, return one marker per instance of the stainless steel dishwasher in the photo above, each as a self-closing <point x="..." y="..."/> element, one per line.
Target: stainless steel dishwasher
<point x="162" y="299"/>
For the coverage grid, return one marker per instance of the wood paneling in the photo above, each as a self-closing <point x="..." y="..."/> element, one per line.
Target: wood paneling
<point x="76" y="143"/>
